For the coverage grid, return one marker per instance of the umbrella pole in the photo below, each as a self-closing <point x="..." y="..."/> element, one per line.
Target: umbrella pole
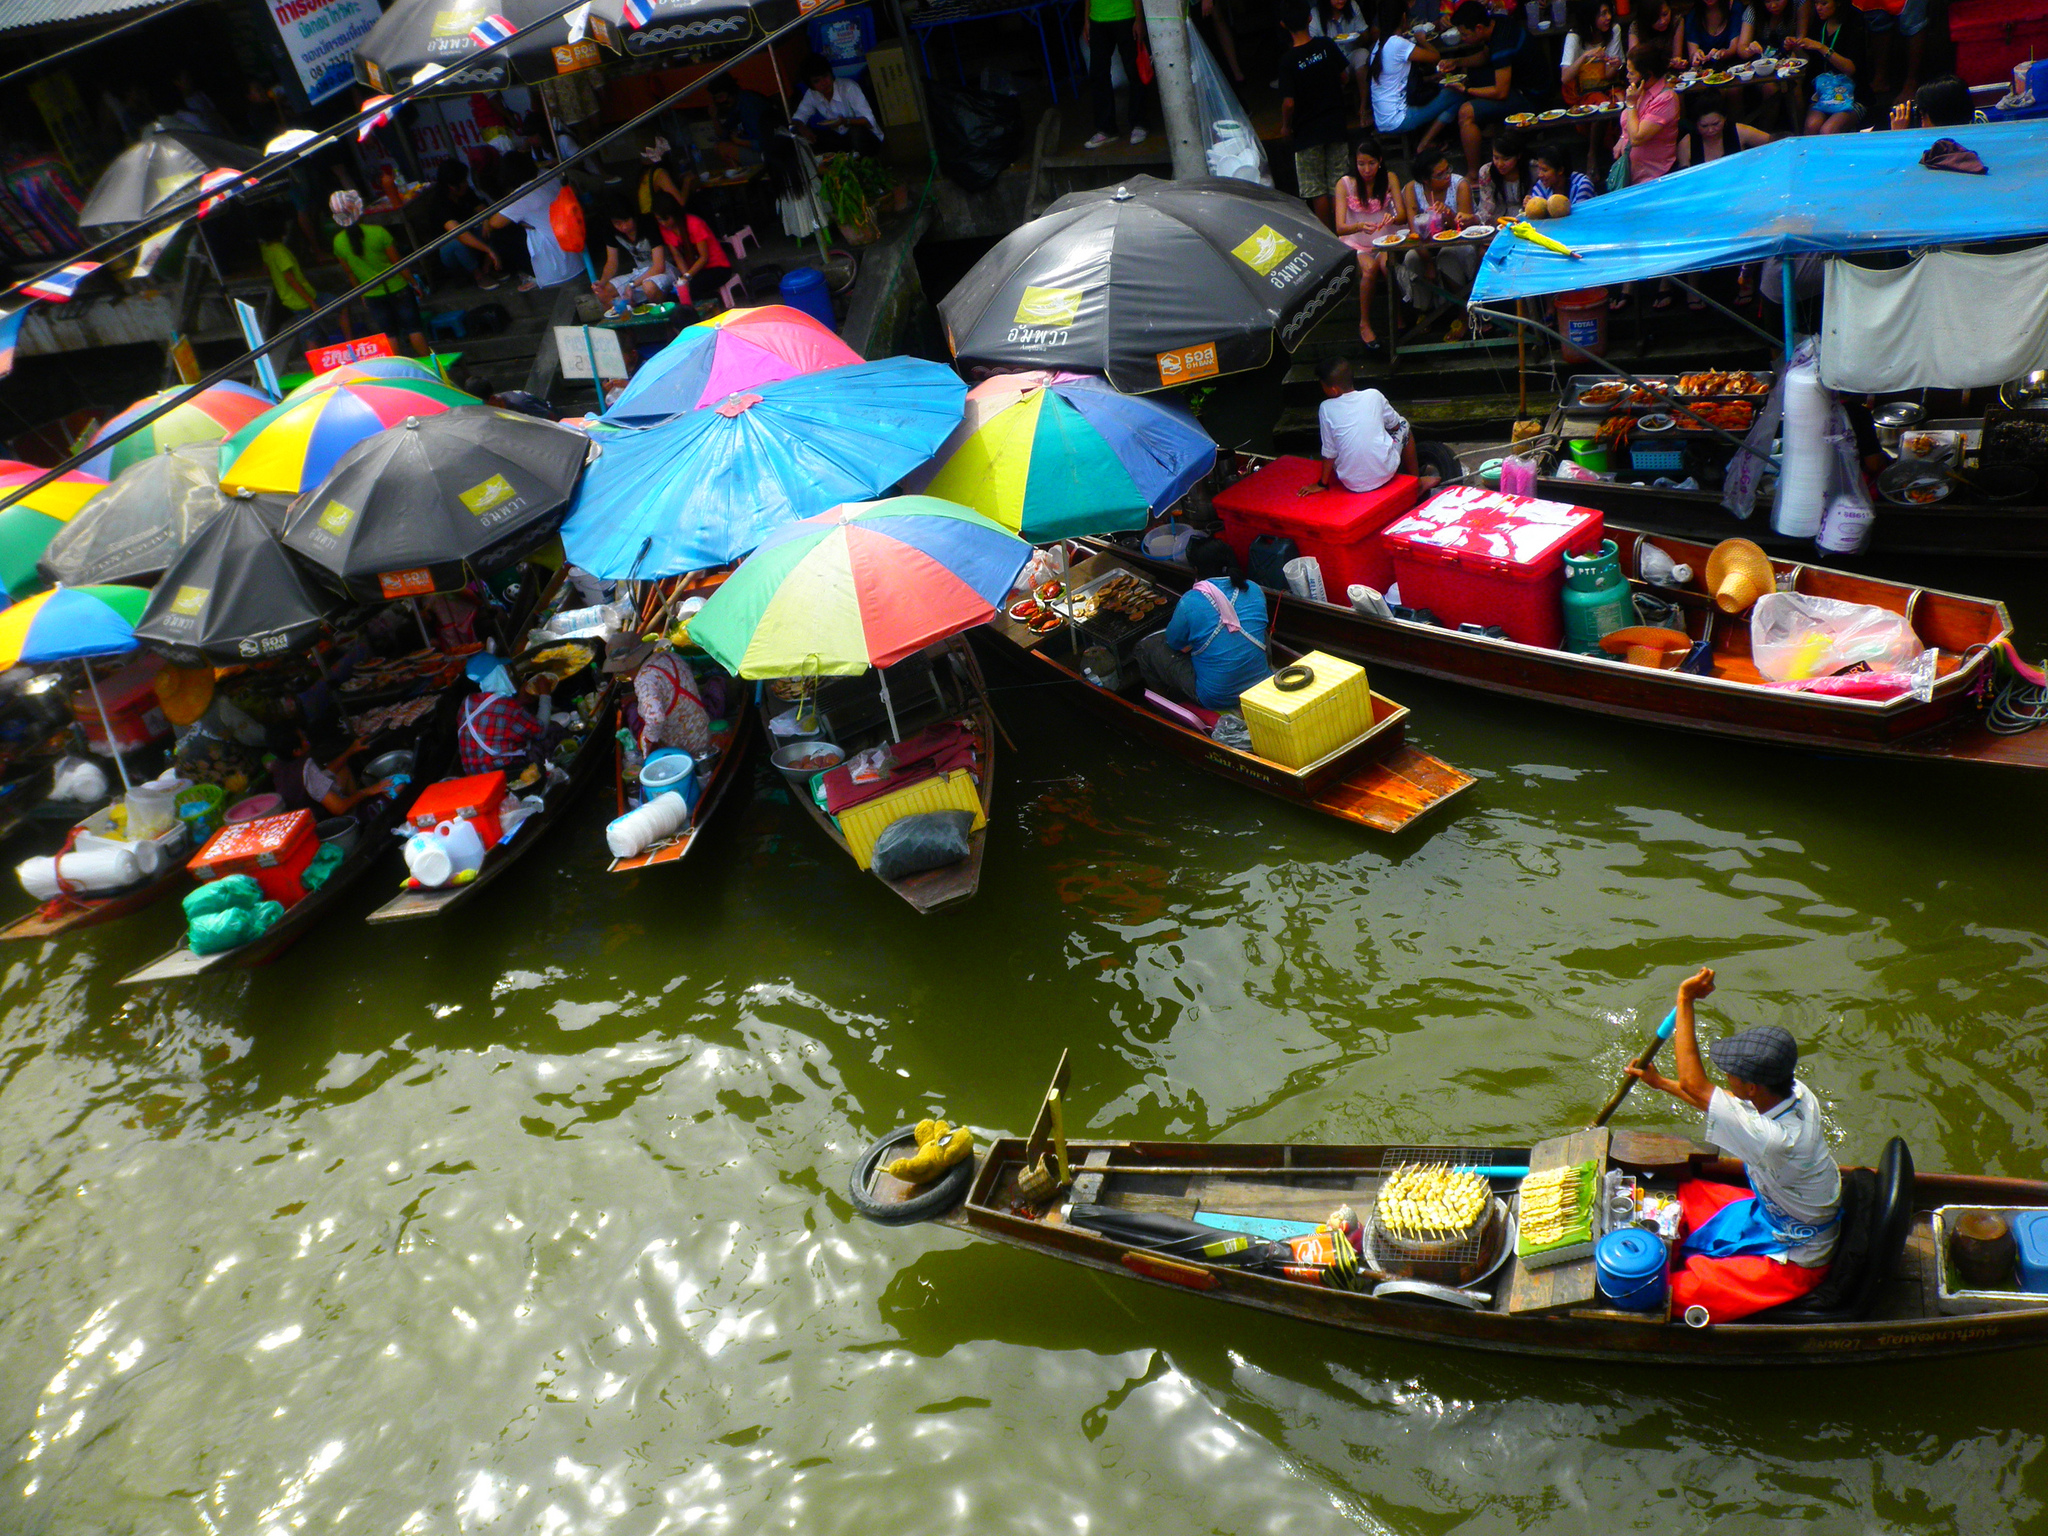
<point x="107" y="725"/>
<point x="818" y="230"/>
<point x="895" y="731"/>
<point x="421" y="620"/>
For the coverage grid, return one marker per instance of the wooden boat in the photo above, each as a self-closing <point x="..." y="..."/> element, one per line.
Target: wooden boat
<point x="1889" y="1307"/>
<point x="729" y="770"/>
<point x="596" y="749"/>
<point x="1376" y="780"/>
<point x="64" y="914"/>
<point x="958" y="692"/>
<point x="1735" y="701"/>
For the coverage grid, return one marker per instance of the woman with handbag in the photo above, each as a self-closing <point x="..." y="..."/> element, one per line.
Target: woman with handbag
<point x="1839" y="52"/>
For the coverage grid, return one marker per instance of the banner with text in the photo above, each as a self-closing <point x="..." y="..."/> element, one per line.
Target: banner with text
<point x="321" y="37"/>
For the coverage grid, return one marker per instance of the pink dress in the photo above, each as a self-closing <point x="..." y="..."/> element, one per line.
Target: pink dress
<point x="1377" y="214"/>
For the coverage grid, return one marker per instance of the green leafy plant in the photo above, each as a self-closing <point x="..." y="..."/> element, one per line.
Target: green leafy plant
<point x="841" y="182"/>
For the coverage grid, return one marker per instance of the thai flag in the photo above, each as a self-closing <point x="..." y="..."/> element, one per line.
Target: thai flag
<point x="492" y="29"/>
<point x="10" y="332"/>
<point x="382" y="110"/>
<point x="58" y="286"/>
<point x="216" y="182"/>
<point x="638" y="13"/>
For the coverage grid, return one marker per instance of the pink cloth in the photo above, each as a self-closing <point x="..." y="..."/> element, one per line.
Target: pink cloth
<point x="929" y="754"/>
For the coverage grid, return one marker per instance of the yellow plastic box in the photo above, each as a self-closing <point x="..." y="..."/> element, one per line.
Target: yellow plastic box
<point x="860" y="825"/>
<point x="1295" y="729"/>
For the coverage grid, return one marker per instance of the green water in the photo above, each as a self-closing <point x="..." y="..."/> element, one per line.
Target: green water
<point x="532" y="1220"/>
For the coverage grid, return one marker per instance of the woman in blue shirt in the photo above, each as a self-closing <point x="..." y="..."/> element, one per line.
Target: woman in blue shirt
<point x="1214" y="647"/>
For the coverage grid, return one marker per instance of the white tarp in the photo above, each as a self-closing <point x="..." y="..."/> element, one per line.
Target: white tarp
<point x="1948" y="320"/>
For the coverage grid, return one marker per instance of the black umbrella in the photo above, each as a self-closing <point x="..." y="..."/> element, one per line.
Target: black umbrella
<point x="1151" y="283"/>
<point x="235" y="594"/>
<point x="132" y="530"/>
<point x="415" y="34"/>
<point x="163" y="164"/>
<point x="703" y="29"/>
<point x="426" y="506"/>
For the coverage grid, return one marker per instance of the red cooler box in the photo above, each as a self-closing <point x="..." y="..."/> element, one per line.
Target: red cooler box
<point x="1474" y="556"/>
<point x="132" y="707"/>
<point x="477" y="798"/>
<point x="274" y="851"/>
<point x="1339" y="527"/>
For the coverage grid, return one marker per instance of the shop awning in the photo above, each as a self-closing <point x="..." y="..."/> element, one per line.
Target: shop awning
<point x="1836" y="193"/>
<point x="23" y="15"/>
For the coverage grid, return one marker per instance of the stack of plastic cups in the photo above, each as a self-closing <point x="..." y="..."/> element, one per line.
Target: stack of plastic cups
<point x="1803" y="485"/>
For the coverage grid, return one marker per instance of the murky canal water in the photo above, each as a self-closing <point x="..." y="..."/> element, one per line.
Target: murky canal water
<point x="533" y="1221"/>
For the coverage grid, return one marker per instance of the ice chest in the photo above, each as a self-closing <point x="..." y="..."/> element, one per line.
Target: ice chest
<point x="1474" y="556"/>
<point x="477" y="798"/>
<point x="1297" y="727"/>
<point x="2030" y="1232"/>
<point x="132" y="708"/>
<point x="274" y="851"/>
<point x="1339" y="528"/>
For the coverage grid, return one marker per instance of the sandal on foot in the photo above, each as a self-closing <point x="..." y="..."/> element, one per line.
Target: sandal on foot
<point x="1618" y="304"/>
<point x="1662" y="301"/>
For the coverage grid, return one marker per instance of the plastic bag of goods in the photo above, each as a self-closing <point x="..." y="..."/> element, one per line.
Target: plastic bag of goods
<point x="86" y="871"/>
<point x="1233" y="146"/>
<point x="77" y="781"/>
<point x="1793" y="636"/>
<point x="231" y="930"/>
<point x="914" y="844"/>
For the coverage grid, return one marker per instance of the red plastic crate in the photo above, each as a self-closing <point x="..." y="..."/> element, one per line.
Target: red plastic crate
<point x="477" y="798"/>
<point x="274" y="851"/>
<point x="1474" y="556"/>
<point x="1339" y="528"/>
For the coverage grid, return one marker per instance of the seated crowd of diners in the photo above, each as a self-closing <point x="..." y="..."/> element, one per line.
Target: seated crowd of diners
<point x="1404" y="126"/>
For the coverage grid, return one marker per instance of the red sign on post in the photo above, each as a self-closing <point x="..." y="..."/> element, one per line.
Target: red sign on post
<point x="324" y="358"/>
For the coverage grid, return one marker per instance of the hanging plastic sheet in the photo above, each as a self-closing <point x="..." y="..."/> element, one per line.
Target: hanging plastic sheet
<point x="1229" y="141"/>
<point x="1949" y="320"/>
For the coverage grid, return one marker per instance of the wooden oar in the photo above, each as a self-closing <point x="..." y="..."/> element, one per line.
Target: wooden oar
<point x="1649" y="1055"/>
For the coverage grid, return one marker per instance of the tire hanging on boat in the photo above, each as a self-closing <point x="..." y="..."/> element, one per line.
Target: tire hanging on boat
<point x="944" y="1192"/>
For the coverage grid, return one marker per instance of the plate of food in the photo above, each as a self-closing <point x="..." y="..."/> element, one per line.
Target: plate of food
<point x="1655" y="421"/>
<point x="1477" y="231"/>
<point x="1554" y="115"/>
<point x="1395" y="237"/>
<point x="1445" y="236"/>
<point x="1587" y="110"/>
<point x="1521" y="119"/>
<point x="1453" y="79"/>
<point x="1716" y="77"/>
<point x="1046" y="623"/>
<point x="1602" y="394"/>
<point x="1027" y="610"/>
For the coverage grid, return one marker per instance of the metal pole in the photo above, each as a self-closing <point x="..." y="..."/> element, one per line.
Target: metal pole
<point x="1785" y="291"/>
<point x="1166" y="28"/>
<point x="107" y="725"/>
<point x="895" y="731"/>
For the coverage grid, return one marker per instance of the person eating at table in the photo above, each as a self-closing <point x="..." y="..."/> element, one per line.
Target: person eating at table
<point x="1368" y="206"/>
<point x="743" y="118"/>
<point x="1437" y="200"/>
<point x="1214" y="646"/>
<point x="1751" y="1249"/>
<point x="1365" y="441"/>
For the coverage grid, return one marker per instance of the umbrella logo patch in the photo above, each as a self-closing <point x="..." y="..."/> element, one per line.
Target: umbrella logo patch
<point x="418" y="582"/>
<point x="336" y="518"/>
<point x="190" y="601"/>
<point x="1186" y="364"/>
<point x="494" y="492"/>
<point x="1263" y="249"/>
<point x="1049" y="306"/>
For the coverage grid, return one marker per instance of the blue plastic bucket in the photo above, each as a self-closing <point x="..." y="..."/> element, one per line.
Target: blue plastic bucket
<point x="1629" y="1264"/>
<point x="805" y="289"/>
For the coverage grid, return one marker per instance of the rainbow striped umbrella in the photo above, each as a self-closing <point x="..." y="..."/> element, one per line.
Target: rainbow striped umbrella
<point x="28" y="525"/>
<point x="739" y="349"/>
<point x="1064" y="456"/>
<point x="364" y="368"/>
<point x="71" y="623"/>
<point x="292" y="446"/>
<point x="203" y="416"/>
<point x="863" y="585"/>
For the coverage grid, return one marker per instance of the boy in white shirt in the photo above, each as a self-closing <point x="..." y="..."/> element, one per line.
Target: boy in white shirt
<point x="834" y="114"/>
<point x="1365" y="440"/>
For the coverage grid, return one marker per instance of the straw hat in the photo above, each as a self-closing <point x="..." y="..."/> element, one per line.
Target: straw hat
<point x="184" y="693"/>
<point x="1738" y="573"/>
<point x="1643" y="646"/>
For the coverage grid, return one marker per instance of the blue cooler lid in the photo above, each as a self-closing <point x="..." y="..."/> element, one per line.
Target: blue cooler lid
<point x="2030" y="1232"/>
<point x="1629" y="1254"/>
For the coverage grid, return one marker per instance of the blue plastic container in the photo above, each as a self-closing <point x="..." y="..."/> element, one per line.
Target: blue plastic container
<point x="1629" y="1265"/>
<point x="2030" y="1232"/>
<point x="805" y="289"/>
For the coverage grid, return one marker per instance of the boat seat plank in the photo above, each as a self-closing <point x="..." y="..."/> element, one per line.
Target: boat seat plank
<point x="1559" y="1287"/>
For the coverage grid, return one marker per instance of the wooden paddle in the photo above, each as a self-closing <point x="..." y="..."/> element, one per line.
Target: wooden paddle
<point x="1649" y="1055"/>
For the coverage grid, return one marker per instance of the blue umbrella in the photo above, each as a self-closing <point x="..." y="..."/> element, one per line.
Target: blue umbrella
<point x="705" y="487"/>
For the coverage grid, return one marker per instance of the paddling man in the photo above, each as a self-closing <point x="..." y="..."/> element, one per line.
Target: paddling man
<point x="1747" y="1252"/>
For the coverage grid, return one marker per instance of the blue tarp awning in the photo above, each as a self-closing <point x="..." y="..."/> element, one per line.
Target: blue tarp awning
<point x="1838" y="193"/>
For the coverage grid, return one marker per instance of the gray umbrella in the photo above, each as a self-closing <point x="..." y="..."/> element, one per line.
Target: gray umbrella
<point x="1151" y="283"/>
<point x="437" y="501"/>
<point x="131" y="530"/>
<point x="163" y="164"/>
<point x="234" y="594"/>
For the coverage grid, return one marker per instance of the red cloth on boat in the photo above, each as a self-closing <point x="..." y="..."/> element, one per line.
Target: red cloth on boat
<point x="931" y="753"/>
<point x="1731" y="1288"/>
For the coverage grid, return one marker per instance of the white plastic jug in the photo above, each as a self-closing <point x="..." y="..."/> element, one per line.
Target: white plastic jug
<point x="427" y="861"/>
<point x="464" y="844"/>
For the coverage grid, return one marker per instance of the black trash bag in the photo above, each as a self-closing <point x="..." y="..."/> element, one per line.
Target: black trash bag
<point x="915" y="844"/>
<point x="977" y="133"/>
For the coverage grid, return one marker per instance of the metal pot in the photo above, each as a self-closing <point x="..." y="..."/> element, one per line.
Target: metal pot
<point x="1892" y="418"/>
<point x="2028" y="392"/>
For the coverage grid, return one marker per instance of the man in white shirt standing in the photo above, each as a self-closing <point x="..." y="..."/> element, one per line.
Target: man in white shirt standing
<point x="1365" y="440"/>
<point x="1748" y="1250"/>
<point x="834" y="114"/>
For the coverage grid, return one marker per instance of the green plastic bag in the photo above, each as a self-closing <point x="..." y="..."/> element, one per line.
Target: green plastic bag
<point x="317" y="872"/>
<point x="217" y="896"/>
<point x="217" y="931"/>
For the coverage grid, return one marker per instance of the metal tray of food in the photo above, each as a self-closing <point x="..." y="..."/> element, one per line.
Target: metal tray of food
<point x="1950" y="1296"/>
<point x="1610" y="393"/>
<point x="1725" y="384"/>
<point x="1153" y="606"/>
<point x="1687" y="421"/>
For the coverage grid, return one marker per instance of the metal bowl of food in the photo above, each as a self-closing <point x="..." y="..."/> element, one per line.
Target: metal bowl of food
<point x="387" y="765"/>
<point x="1915" y="483"/>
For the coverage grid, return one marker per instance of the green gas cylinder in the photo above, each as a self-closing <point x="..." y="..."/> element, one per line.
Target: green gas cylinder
<point x="1596" y="598"/>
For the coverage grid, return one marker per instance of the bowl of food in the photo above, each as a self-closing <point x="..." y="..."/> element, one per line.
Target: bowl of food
<point x="800" y="760"/>
<point x="1655" y="421"/>
<point x="1393" y="238"/>
<point x="1915" y="483"/>
<point x="1477" y="231"/>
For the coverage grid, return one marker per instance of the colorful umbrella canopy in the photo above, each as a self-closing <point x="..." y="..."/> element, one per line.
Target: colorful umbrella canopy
<point x="296" y="443"/>
<point x="739" y="349"/>
<point x="70" y="623"/>
<point x="863" y="585"/>
<point x="163" y="164"/>
<point x="707" y="487"/>
<point x="203" y="416"/>
<point x="1151" y="283"/>
<point x="1061" y="456"/>
<point x="28" y="525"/>
<point x="368" y="368"/>
<point x="414" y="35"/>
<point x="131" y="530"/>
<point x="435" y="502"/>
<point x="235" y="594"/>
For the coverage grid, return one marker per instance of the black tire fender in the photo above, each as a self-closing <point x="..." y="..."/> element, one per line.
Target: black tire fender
<point x="1294" y="678"/>
<point x="944" y="1192"/>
